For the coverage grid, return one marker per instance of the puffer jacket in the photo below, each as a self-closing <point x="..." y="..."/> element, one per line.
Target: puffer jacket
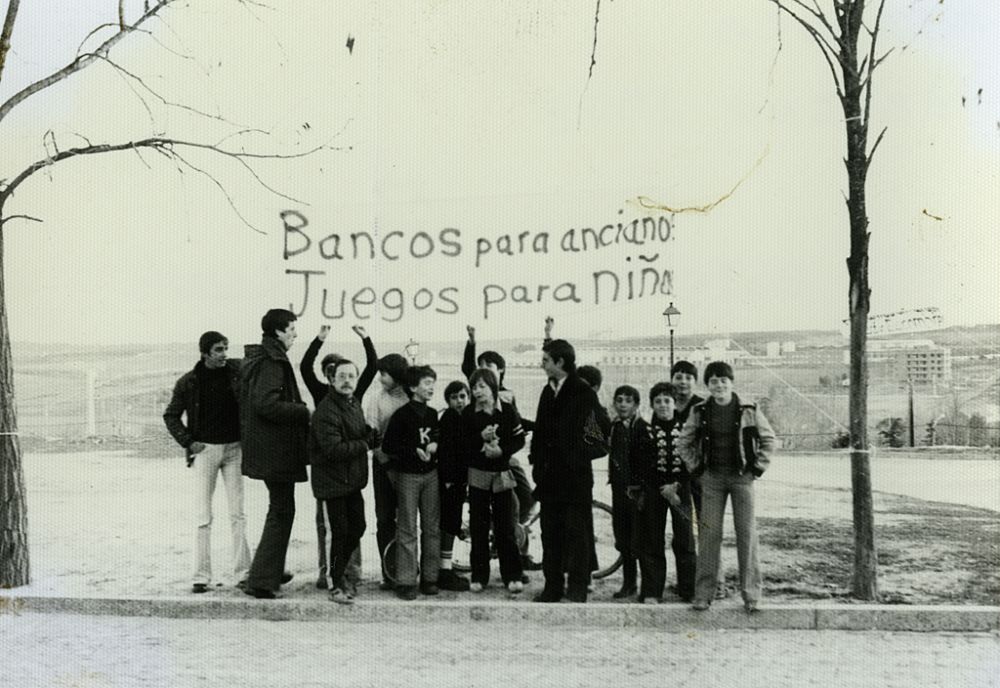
<point x="338" y="447"/>
<point x="756" y="439"/>
<point x="274" y="420"/>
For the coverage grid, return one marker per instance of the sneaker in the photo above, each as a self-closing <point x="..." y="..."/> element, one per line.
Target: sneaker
<point x="515" y="587"/>
<point x="428" y="588"/>
<point x="750" y="606"/>
<point x="199" y="588"/>
<point x="476" y="586"/>
<point x="722" y="592"/>
<point x="406" y="592"/>
<point x="625" y="592"/>
<point x="449" y="580"/>
<point x="700" y="605"/>
<point x="651" y="600"/>
<point x="287" y="577"/>
<point x="242" y="585"/>
<point x="340" y="597"/>
<point x="352" y="590"/>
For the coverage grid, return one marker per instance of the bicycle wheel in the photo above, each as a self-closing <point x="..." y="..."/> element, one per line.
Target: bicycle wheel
<point x="609" y="559"/>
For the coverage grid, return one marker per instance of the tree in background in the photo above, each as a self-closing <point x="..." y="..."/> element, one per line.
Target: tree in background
<point x="892" y="432"/>
<point x="847" y="38"/>
<point x="14" y="559"/>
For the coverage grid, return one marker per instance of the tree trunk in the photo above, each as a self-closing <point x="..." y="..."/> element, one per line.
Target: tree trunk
<point x="14" y="566"/>
<point x="865" y="583"/>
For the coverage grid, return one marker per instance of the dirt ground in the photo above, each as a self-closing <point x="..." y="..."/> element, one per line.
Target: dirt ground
<point x="111" y="521"/>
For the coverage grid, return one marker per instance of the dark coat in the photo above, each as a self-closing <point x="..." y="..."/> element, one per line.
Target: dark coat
<point x="186" y="399"/>
<point x="561" y="462"/>
<point x="273" y="418"/>
<point x="508" y="429"/>
<point x="338" y="447"/>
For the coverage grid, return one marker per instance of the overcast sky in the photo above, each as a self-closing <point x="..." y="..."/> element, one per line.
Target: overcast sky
<point x="481" y="119"/>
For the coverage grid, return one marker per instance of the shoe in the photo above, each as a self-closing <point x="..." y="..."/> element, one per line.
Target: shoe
<point x="751" y="606"/>
<point x="449" y="580"/>
<point x="287" y="577"/>
<point x="352" y="590"/>
<point x="547" y="596"/>
<point x="386" y="585"/>
<point x="515" y="587"/>
<point x="260" y="593"/>
<point x="651" y="600"/>
<point x="242" y="585"/>
<point x="428" y="588"/>
<point x="625" y="592"/>
<point x="525" y="578"/>
<point x="700" y="605"/>
<point x="529" y="564"/>
<point x="340" y="597"/>
<point x="406" y="592"/>
<point x="722" y="592"/>
<point x="476" y="586"/>
<point x="199" y="587"/>
<point x="578" y="597"/>
<point x="321" y="582"/>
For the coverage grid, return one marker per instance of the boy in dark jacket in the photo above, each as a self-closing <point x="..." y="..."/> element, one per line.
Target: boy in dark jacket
<point x="666" y="488"/>
<point x="411" y="444"/>
<point x="338" y="452"/>
<point x="629" y="439"/>
<point x="453" y="474"/>
<point x="318" y="389"/>
<point x="274" y="424"/>
<point x="493" y="435"/>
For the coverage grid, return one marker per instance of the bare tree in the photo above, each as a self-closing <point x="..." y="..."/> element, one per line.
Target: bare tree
<point x="847" y="39"/>
<point x="14" y="559"/>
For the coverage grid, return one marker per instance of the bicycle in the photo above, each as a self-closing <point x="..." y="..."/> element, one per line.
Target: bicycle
<point x="604" y="544"/>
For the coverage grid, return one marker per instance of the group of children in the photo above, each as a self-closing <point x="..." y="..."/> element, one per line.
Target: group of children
<point x="684" y="463"/>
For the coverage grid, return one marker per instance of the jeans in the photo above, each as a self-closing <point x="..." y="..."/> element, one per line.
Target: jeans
<point x="215" y="459"/>
<point x="269" y="560"/>
<point x="385" y="508"/>
<point x="716" y="487"/>
<point x="344" y="520"/>
<point x="488" y="508"/>
<point x="353" y="571"/>
<point x="417" y="494"/>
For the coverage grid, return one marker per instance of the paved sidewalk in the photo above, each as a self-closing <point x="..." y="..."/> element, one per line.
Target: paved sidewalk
<point x="85" y="651"/>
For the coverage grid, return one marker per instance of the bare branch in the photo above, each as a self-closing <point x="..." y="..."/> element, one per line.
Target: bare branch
<point x="8" y="29"/>
<point x="222" y="188"/>
<point x="872" y="63"/>
<point x="240" y="133"/>
<point x="93" y="31"/>
<point x="7" y="219"/>
<point x="871" y="155"/>
<point x="121" y="14"/>
<point x="77" y="64"/>
<point x="829" y="53"/>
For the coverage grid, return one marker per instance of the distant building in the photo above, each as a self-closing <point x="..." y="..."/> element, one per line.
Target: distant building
<point x="788" y="348"/>
<point x="773" y="349"/>
<point x="919" y="361"/>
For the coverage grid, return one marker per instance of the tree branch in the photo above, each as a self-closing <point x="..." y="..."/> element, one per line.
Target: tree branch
<point x="872" y="64"/>
<point x="77" y="64"/>
<point x="5" y="220"/>
<point x="829" y="54"/>
<point x="8" y="29"/>
<point x="871" y="155"/>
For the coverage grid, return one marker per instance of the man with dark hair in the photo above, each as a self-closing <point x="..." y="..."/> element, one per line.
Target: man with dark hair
<point x="275" y="425"/>
<point x="207" y="395"/>
<point x="563" y="475"/>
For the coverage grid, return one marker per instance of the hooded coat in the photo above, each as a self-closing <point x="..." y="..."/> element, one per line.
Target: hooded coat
<point x="274" y="420"/>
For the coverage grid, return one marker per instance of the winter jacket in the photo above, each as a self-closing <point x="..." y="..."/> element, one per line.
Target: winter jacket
<point x="509" y="432"/>
<point x="506" y="396"/>
<point x="186" y="398"/>
<point x="756" y="439"/>
<point x="667" y="467"/>
<point x="453" y="466"/>
<point x="273" y="418"/>
<point x="338" y="447"/>
<point x="561" y="467"/>
<point x="630" y="461"/>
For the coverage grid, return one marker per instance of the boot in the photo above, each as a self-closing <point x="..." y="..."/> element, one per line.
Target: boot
<point x="628" y="588"/>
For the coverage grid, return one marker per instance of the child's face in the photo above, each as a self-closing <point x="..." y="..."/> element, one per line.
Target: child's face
<point x="387" y="380"/>
<point x="625" y="406"/>
<point x="683" y="383"/>
<point x="481" y="391"/>
<point x="424" y="391"/>
<point x="663" y="406"/>
<point x="459" y="400"/>
<point x="491" y="367"/>
<point x="721" y="389"/>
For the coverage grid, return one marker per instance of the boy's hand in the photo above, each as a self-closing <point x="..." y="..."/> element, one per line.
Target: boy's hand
<point x="324" y="330"/>
<point x="432" y="448"/>
<point x="196" y="448"/>
<point x="472" y="332"/>
<point x="492" y="450"/>
<point x="423" y="455"/>
<point x="549" y="322"/>
<point x="360" y="331"/>
<point x="669" y="493"/>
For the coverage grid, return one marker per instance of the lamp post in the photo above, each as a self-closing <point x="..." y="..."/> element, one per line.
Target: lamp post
<point x="412" y="349"/>
<point x="671" y="314"/>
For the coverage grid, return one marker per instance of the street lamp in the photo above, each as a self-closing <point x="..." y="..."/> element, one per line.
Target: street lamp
<point x="412" y="349"/>
<point x="671" y="314"/>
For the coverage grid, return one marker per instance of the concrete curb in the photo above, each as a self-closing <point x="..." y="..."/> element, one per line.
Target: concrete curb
<point x="667" y="617"/>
